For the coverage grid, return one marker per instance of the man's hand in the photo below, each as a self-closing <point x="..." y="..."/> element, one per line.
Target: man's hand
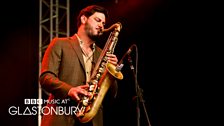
<point x="112" y="59"/>
<point x="76" y="91"/>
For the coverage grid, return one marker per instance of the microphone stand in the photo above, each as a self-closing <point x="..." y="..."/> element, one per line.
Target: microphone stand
<point x="139" y="98"/>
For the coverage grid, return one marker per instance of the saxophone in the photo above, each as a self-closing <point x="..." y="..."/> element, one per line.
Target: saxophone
<point x="103" y="75"/>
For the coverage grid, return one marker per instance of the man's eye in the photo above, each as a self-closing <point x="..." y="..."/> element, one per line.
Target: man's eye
<point x="97" y="19"/>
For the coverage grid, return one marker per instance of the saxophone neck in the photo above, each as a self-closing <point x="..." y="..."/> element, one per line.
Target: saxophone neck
<point x="117" y="26"/>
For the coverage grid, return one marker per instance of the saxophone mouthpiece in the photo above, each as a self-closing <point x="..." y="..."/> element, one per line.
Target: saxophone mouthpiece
<point x="100" y="32"/>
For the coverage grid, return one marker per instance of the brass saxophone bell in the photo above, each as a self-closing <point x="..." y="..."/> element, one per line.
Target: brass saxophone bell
<point x="112" y="70"/>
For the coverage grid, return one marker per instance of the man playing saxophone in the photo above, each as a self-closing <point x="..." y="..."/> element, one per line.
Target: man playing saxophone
<point x="68" y="62"/>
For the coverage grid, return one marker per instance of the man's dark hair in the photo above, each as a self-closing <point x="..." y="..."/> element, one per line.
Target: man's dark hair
<point x="90" y="10"/>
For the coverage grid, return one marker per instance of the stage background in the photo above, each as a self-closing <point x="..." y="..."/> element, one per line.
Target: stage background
<point x="163" y="32"/>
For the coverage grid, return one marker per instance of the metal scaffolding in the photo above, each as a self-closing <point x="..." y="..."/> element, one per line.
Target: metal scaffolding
<point x="54" y="21"/>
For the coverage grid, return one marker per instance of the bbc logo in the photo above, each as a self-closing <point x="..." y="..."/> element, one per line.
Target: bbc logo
<point x="33" y="101"/>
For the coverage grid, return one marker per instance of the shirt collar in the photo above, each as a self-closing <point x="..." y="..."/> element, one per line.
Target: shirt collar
<point x="81" y="43"/>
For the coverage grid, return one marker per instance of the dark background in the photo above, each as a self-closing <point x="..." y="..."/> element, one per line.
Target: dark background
<point x="166" y="34"/>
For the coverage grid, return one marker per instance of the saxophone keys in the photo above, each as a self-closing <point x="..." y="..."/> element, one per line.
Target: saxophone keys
<point x="101" y="70"/>
<point x="103" y="64"/>
<point x="95" y="82"/>
<point x="91" y="87"/>
<point x="85" y="102"/>
<point x="98" y="75"/>
<point x="105" y="59"/>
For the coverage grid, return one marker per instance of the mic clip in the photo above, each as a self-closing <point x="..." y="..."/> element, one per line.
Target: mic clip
<point x="130" y="62"/>
<point x="119" y="67"/>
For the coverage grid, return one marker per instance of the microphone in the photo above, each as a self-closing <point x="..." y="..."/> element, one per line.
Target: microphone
<point x="120" y="64"/>
<point x="127" y="53"/>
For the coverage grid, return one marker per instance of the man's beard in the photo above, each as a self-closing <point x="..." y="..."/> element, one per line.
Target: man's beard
<point x="88" y="29"/>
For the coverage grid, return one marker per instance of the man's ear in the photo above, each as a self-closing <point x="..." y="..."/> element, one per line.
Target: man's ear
<point x="83" y="19"/>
